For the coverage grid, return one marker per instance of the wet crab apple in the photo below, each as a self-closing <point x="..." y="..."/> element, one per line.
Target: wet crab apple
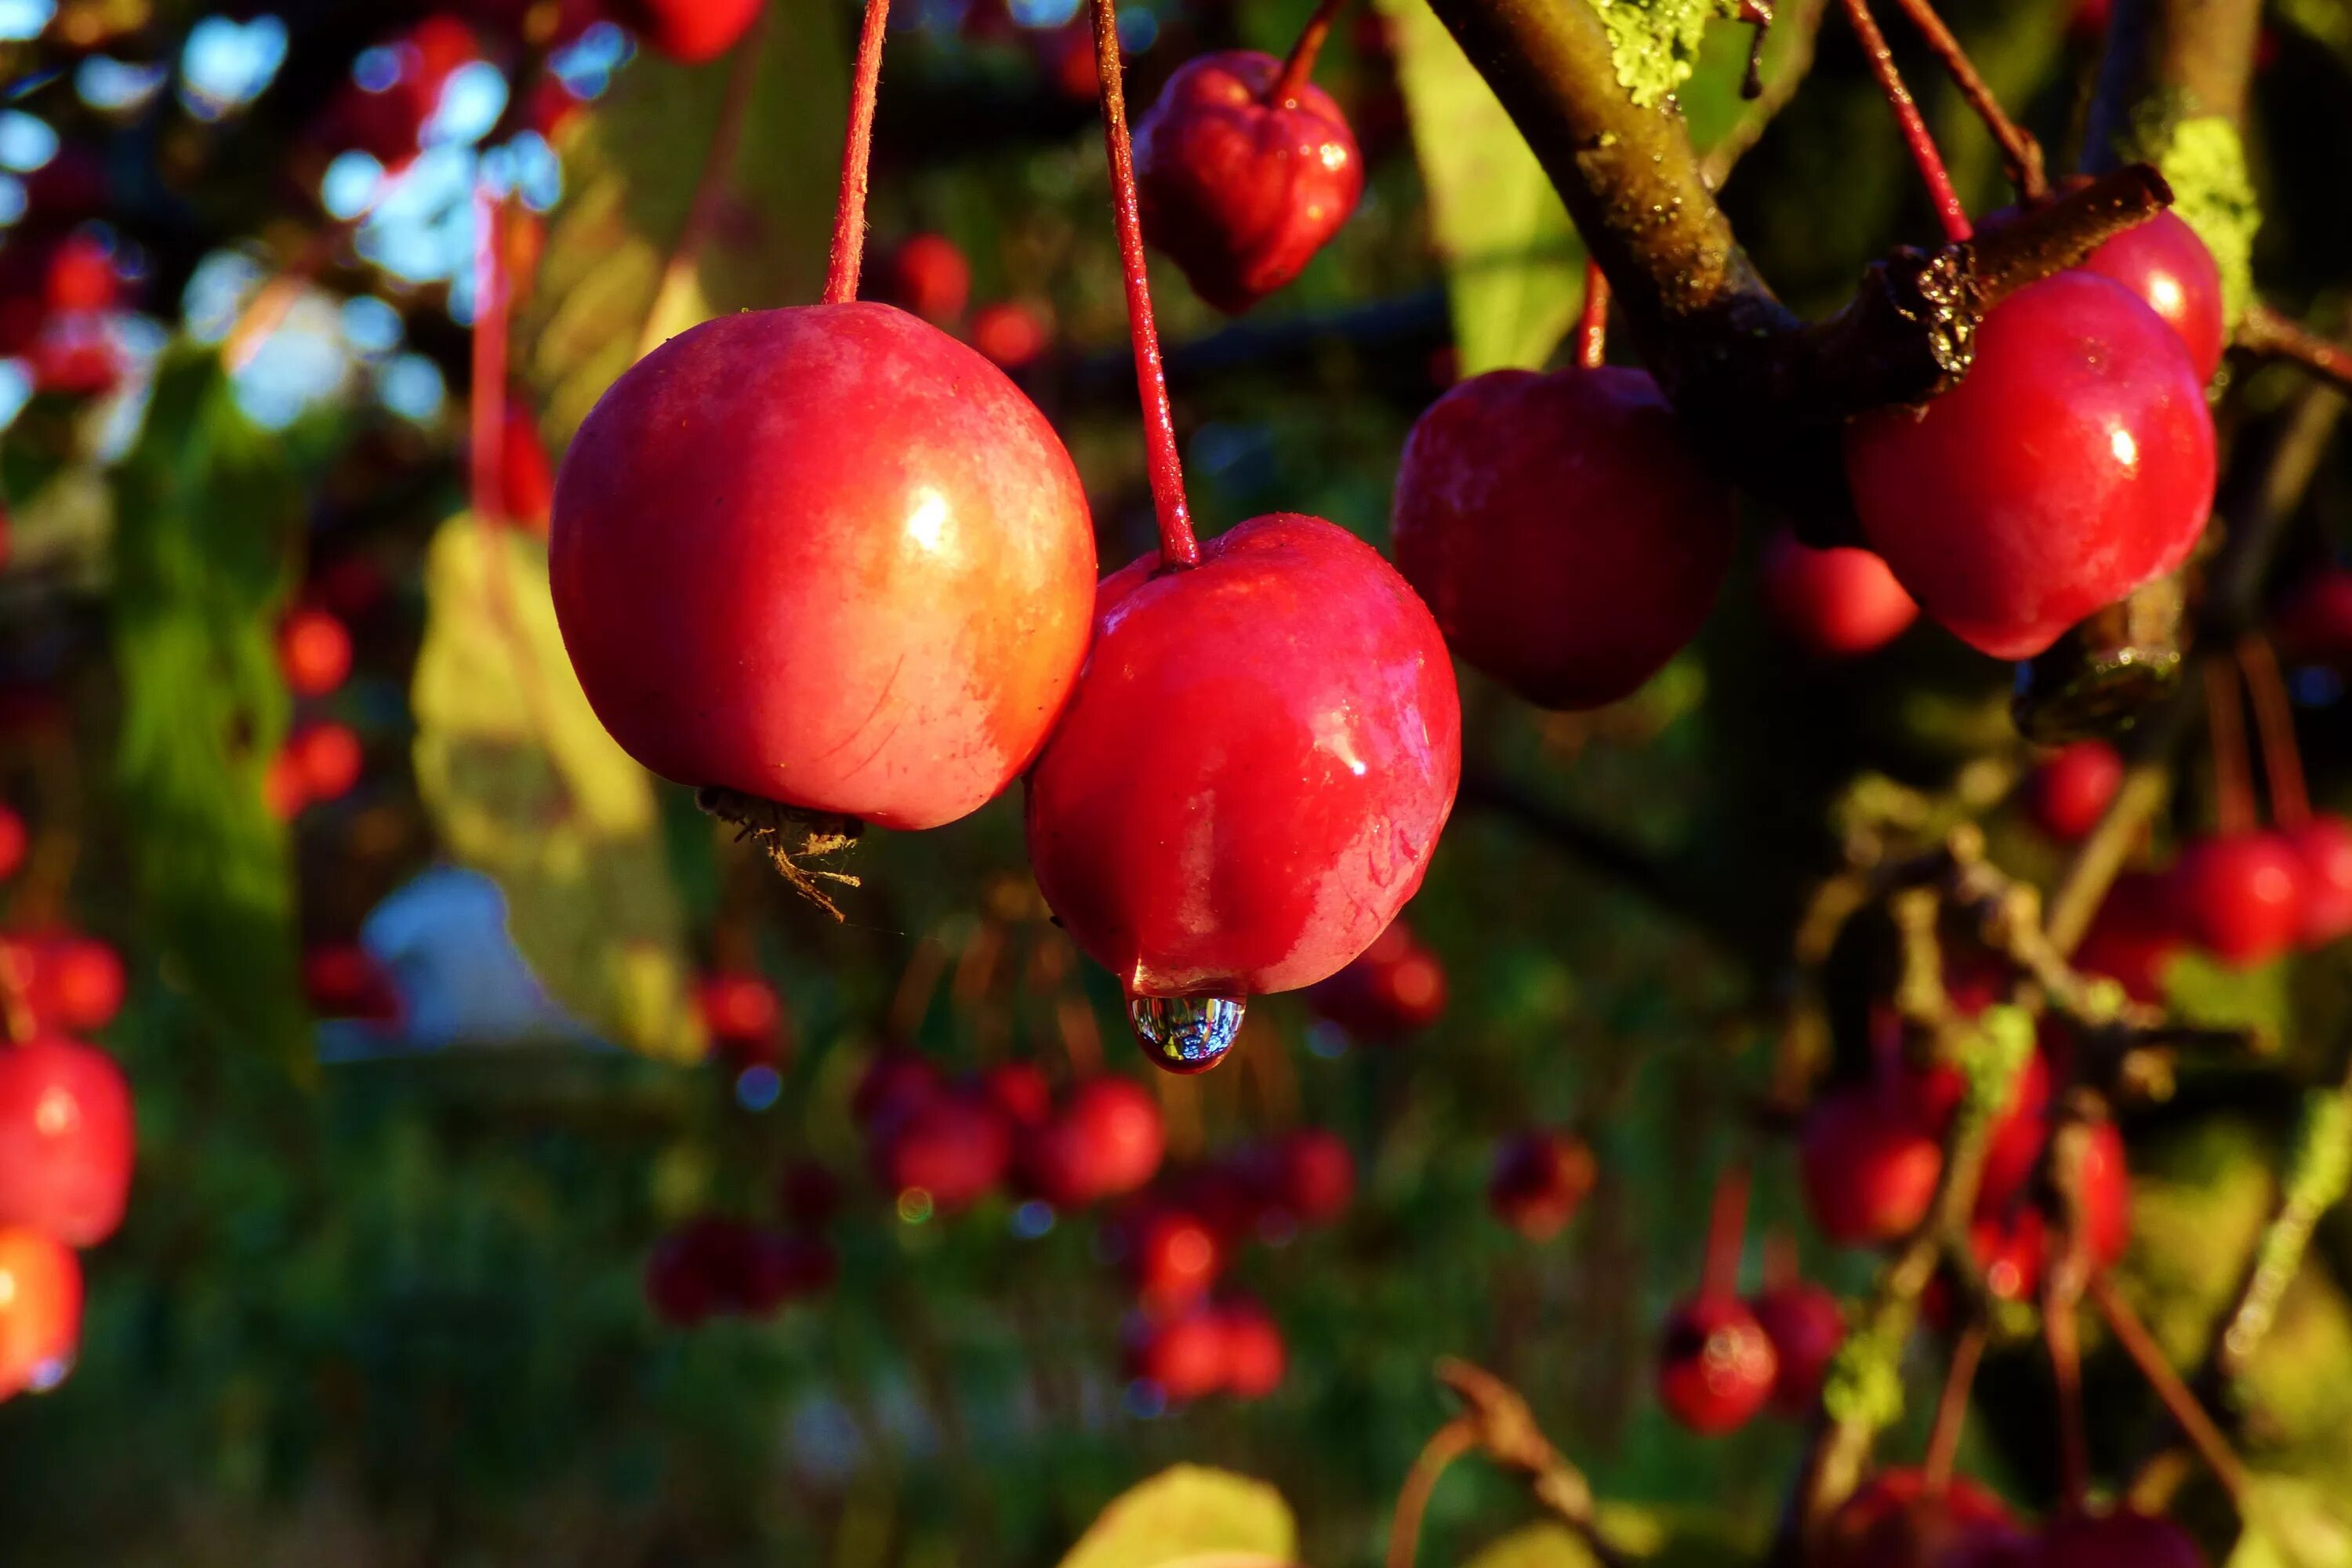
<point x="1565" y="535"/>
<point x="689" y="31"/>
<point x="1240" y="190"/>
<point x="66" y="1140"/>
<point x="2239" y="896"/>
<point x="2168" y="267"/>
<point x="2073" y="463"/>
<point x="824" y="556"/>
<point x="1253" y="774"/>
<point x="40" y="1310"/>
<point x="1716" y="1365"/>
<point x="1837" y="603"/>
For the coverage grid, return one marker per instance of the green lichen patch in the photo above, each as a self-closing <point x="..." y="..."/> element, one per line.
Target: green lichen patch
<point x="1655" y="42"/>
<point x="2205" y="161"/>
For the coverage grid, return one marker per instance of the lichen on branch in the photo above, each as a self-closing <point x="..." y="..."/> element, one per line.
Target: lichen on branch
<point x="2204" y="159"/>
<point x="1655" y="42"/>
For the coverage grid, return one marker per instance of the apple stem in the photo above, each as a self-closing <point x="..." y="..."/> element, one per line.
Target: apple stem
<point x="1952" y="1411"/>
<point x="1726" y="1233"/>
<point x="1177" y="545"/>
<point x="1915" y="135"/>
<point x="2019" y="153"/>
<point x="2274" y="720"/>
<point x="2233" y="771"/>
<point x="2179" y="1401"/>
<point x="487" y="411"/>
<point x="2059" y="1332"/>
<point x="1299" y="64"/>
<point x="856" y="153"/>
<point x="1592" y="324"/>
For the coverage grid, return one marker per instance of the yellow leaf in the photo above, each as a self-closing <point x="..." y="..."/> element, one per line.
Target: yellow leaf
<point x="527" y="787"/>
<point x="1191" y="1516"/>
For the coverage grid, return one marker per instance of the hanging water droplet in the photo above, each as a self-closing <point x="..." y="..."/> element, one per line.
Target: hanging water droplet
<point x="1186" y="1034"/>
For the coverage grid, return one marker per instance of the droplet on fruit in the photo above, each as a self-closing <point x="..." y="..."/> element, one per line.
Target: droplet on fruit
<point x="1186" y="1034"/>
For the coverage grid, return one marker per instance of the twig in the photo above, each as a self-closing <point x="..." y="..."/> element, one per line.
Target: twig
<point x="2265" y="332"/>
<point x="1496" y="1420"/>
<point x="1597" y="847"/>
<point x="1445" y="1444"/>
<point x="2315" y="1183"/>
<point x="2149" y="1356"/>
<point x="1801" y="24"/>
<point x="1952" y="1409"/>
<point x="2233" y="774"/>
<point x="267" y="309"/>
<point x="2021" y="154"/>
<point x="2274" y="721"/>
<point x="1916" y="134"/>
<point x="1592" y="321"/>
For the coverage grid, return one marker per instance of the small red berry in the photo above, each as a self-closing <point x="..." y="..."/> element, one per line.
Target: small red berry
<point x="1716" y="1365"/>
<point x="743" y="1017"/>
<point x="1019" y="1089"/>
<point x="1541" y="1180"/>
<point x="929" y="275"/>
<point x="344" y="980"/>
<point x="689" y="31"/>
<point x="2069" y="790"/>
<point x="1254" y="1357"/>
<point x="1806" y="1328"/>
<point x="1307" y="1175"/>
<point x="1392" y="987"/>
<point x="1838" y="603"/>
<point x="2324" y="846"/>
<point x="40" y="1310"/>
<point x="14" y="842"/>
<point x="2239" y="896"/>
<point x="953" y="1148"/>
<point x="328" y="759"/>
<point x="66" y="1141"/>
<point x="1172" y="1257"/>
<point x="1566" y="536"/>
<point x="1182" y="1355"/>
<point x="1010" y="334"/>
<point x="1869" y="1165"/>
<point x="314" y="651"/>
<point x="77" y="983"/>
<point x="1115" y="1135"/>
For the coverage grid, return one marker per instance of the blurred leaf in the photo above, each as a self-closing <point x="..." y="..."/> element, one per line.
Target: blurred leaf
<point x="630" y="172"/>
<point x="2294" y="1523"/>
<point x="1545" y="1545"/>
<point x="525" y="785"/>
<point x="2206" y="992"/>
<point x="207" y="510"/>
<point x="1514" y="267"/>
<point x="1186" y="1514"/>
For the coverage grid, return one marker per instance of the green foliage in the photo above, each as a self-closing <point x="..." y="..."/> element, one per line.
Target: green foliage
<point x="207" y="513"/>
<point x="2208" y="993"/>
<point x="1514" y="267"/>
<point x="2204" y="159"/>
<point x="621" y="273"/>
<point x="524" y="785"/>
<point x="1545" y="1545"/>
<point x="1655" y="43"/>
<point x="1191" y="1516"/>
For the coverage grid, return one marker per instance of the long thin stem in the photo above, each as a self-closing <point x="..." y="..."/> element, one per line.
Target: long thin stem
<point x="2059" y="1332"/>
<point x="1177" y="546"/>
<point x="2233" y="771"/>
<point x="2274" y="721"/>
<point x="2265" y="332"/>
<point x="2149" y="1356"/>
<point x="1299" y="64"/>
<point x="1593" y="325"/>
<point x="1447" y="1444"/>
<point x="1952" y="1409"/>
<point x="16" y="1022"/>
<point x="1915" y="135"/>
<point x="1726" y="1233"/>
<point x="856" y="152"/>
<point x="2019" y="153"/>
<point x="486" y="410"/>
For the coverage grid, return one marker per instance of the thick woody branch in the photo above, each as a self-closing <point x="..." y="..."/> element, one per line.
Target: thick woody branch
<point x="2181" y="56"/>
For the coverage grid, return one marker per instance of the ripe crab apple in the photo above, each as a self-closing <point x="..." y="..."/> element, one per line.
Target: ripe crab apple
<point x="1107" y="1139"/>
<point x="40" y="1310"/>
<point x="14" y="842"/>
<point x="2239" y="896"/>
<point x="2124" y="1539"/>
<point x="1716" y="1365"/>
<point x="1805" y="1325"/>
<point x="1241" y="190"/>
<point x="743" y="1017"/>
<point x="1565" y="535"/>
<point x="74" y="985"/>
<point x="1183" y="1355"/>
<point x="929" y="275"/>
<point x="314" y="651"/>
<point x="2011" y="1241"/>
<point x="1254" y="1356"/>
<point x="953" y="1147"/>
<point x="1540" y="1181"/>
<point x="2069" y="790"/>
<point x="1307" y="1174"/>
<point x="1172" y="1256"/>
<point x="2168" y="267"/>
<point x="824" y="556"/>
<point x="1837" y="603"/>
<point x="689" y="31"/>
<point x="1893" y="1521"/>
<point x="2073" y="463"/>
<point x="1251" y="778"/>
<point x="1869" y="1163"/>
<point x="66" y="1140"/>
<point x="2324" y="846"/>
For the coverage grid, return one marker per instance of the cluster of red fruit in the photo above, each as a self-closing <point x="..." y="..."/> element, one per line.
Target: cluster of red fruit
<point x="66" y="1140"/>
<point x="929" y="277"/>
<point x="321" y="759"/>
<point x="1723" y="1360"/>
<point x="1902" y="1516"/>
<point x="61" y="290"/>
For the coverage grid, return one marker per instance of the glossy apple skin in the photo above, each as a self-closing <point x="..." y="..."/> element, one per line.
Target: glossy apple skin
<point x="40" y="1310"/>
<point x="2073" y="464"/>
<point x="1565" y="535"/>
<point x="2164" y="263"/>
<point x="66" y="1141"/>
<point x="828" y="556"/>
<point x="1806" y="1327"/>
<point x="689" y="31"/>
<point x="2069" y="791"/>
<point x="1716" y="1366"/>
<point x="1840" y="603"/>
<point x="2239" y="896"/>
<point x="1240" y="192"/>
<point x="2323" y="845"/>
<point x="1257" y="765"/>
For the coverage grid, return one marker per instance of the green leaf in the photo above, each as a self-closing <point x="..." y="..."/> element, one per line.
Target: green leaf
<point x="2294" y="1523"/>
<point x="207" y="512"/>
<point x="2207" y="992"/>
<point x="1514" y="267"/>
<point x="1544" y="1545"/>
<point x="527" y="787"/>
<point x="606" y="286"/>
<point x="1185" y="1514"/>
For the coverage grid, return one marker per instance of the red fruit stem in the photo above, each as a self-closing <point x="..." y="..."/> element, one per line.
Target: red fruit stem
<point x="2059" y="1332"/>
<point x="1726" y="1233"/>
<point x="17" y="1022"/>
<point x="486" y="410"/>
<point x="856" y="152"/>
<point x="1952" y="1410"/>
<point x="1915" y="135"/>
<point x="2149" y="1356"/>
<point x="1177" y="546"/>
<point x="1779" y="1260"/>
<point x="2019" y="153"/>
<point x="1445" y="1444"/>
<point x="2274" y="720"/>
<point x="2233" y="770"/>
<point x="1300" y="63"/>
<point x="1592" y="323"/>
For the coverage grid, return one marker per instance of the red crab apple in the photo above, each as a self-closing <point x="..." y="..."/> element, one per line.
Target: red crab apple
<point x="1837" y="603"/>
<point x="2073" y="463"/>
<point x="1565" y="535"/>
<point x="929" y="275"/>
<point x="1254" y="1356"/>
<point x="824" y="556"/>
<point x="14" y="842"/>
<point x="954" y="1147"/>
<point x="1716" y="1365"/>
<point x="1893" y="1521"/>
<point x="74" y="985"/>
<point x="690" y="31"/>
<point x="2323" y="845"/>
<point x="1020" y="1090"/>
<point x="2132" y="937"/>
<point x="743" y="1016"/>
<point x="1806" y="1327"/>
<point x="2011" y="1241"/>
<point x="2239" y="896"/>
<point x="1392" y="987"/>
<point x="344" y="980"/>
<point x="1241" y="190"/>
<point x="1172" y="1256"/>
<point x="66" y="1140"/>
<point x="2069" y="790"/>
<point x="1010" y="334"/>
<point x="1307" y="1173"/>
<point x="1869" y="1163"/>
<point x="1183" y="1355"/>
<point x="2168" y="267"/>
<point x="1541" y="1180"/>
<point x="1251" y="777"/>
<point x="314" y="652"/>
<point x="2124" y="1539"/>
<point x="1106" y="1141"/>
<point x="40" y="1310"/>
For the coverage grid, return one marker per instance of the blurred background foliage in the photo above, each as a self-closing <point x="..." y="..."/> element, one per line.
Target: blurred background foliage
<point x="378" y="1299"/>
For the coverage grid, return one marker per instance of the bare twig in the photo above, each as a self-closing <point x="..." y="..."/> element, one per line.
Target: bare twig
<point x="1801" y="24"/>
<point x="1495" y="1421"/>
<point x="2149" y="1356"/>
<point x="1445" y="1444"/>
<point x="2020" y="154"/>
<point x="2265" y="332"/>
